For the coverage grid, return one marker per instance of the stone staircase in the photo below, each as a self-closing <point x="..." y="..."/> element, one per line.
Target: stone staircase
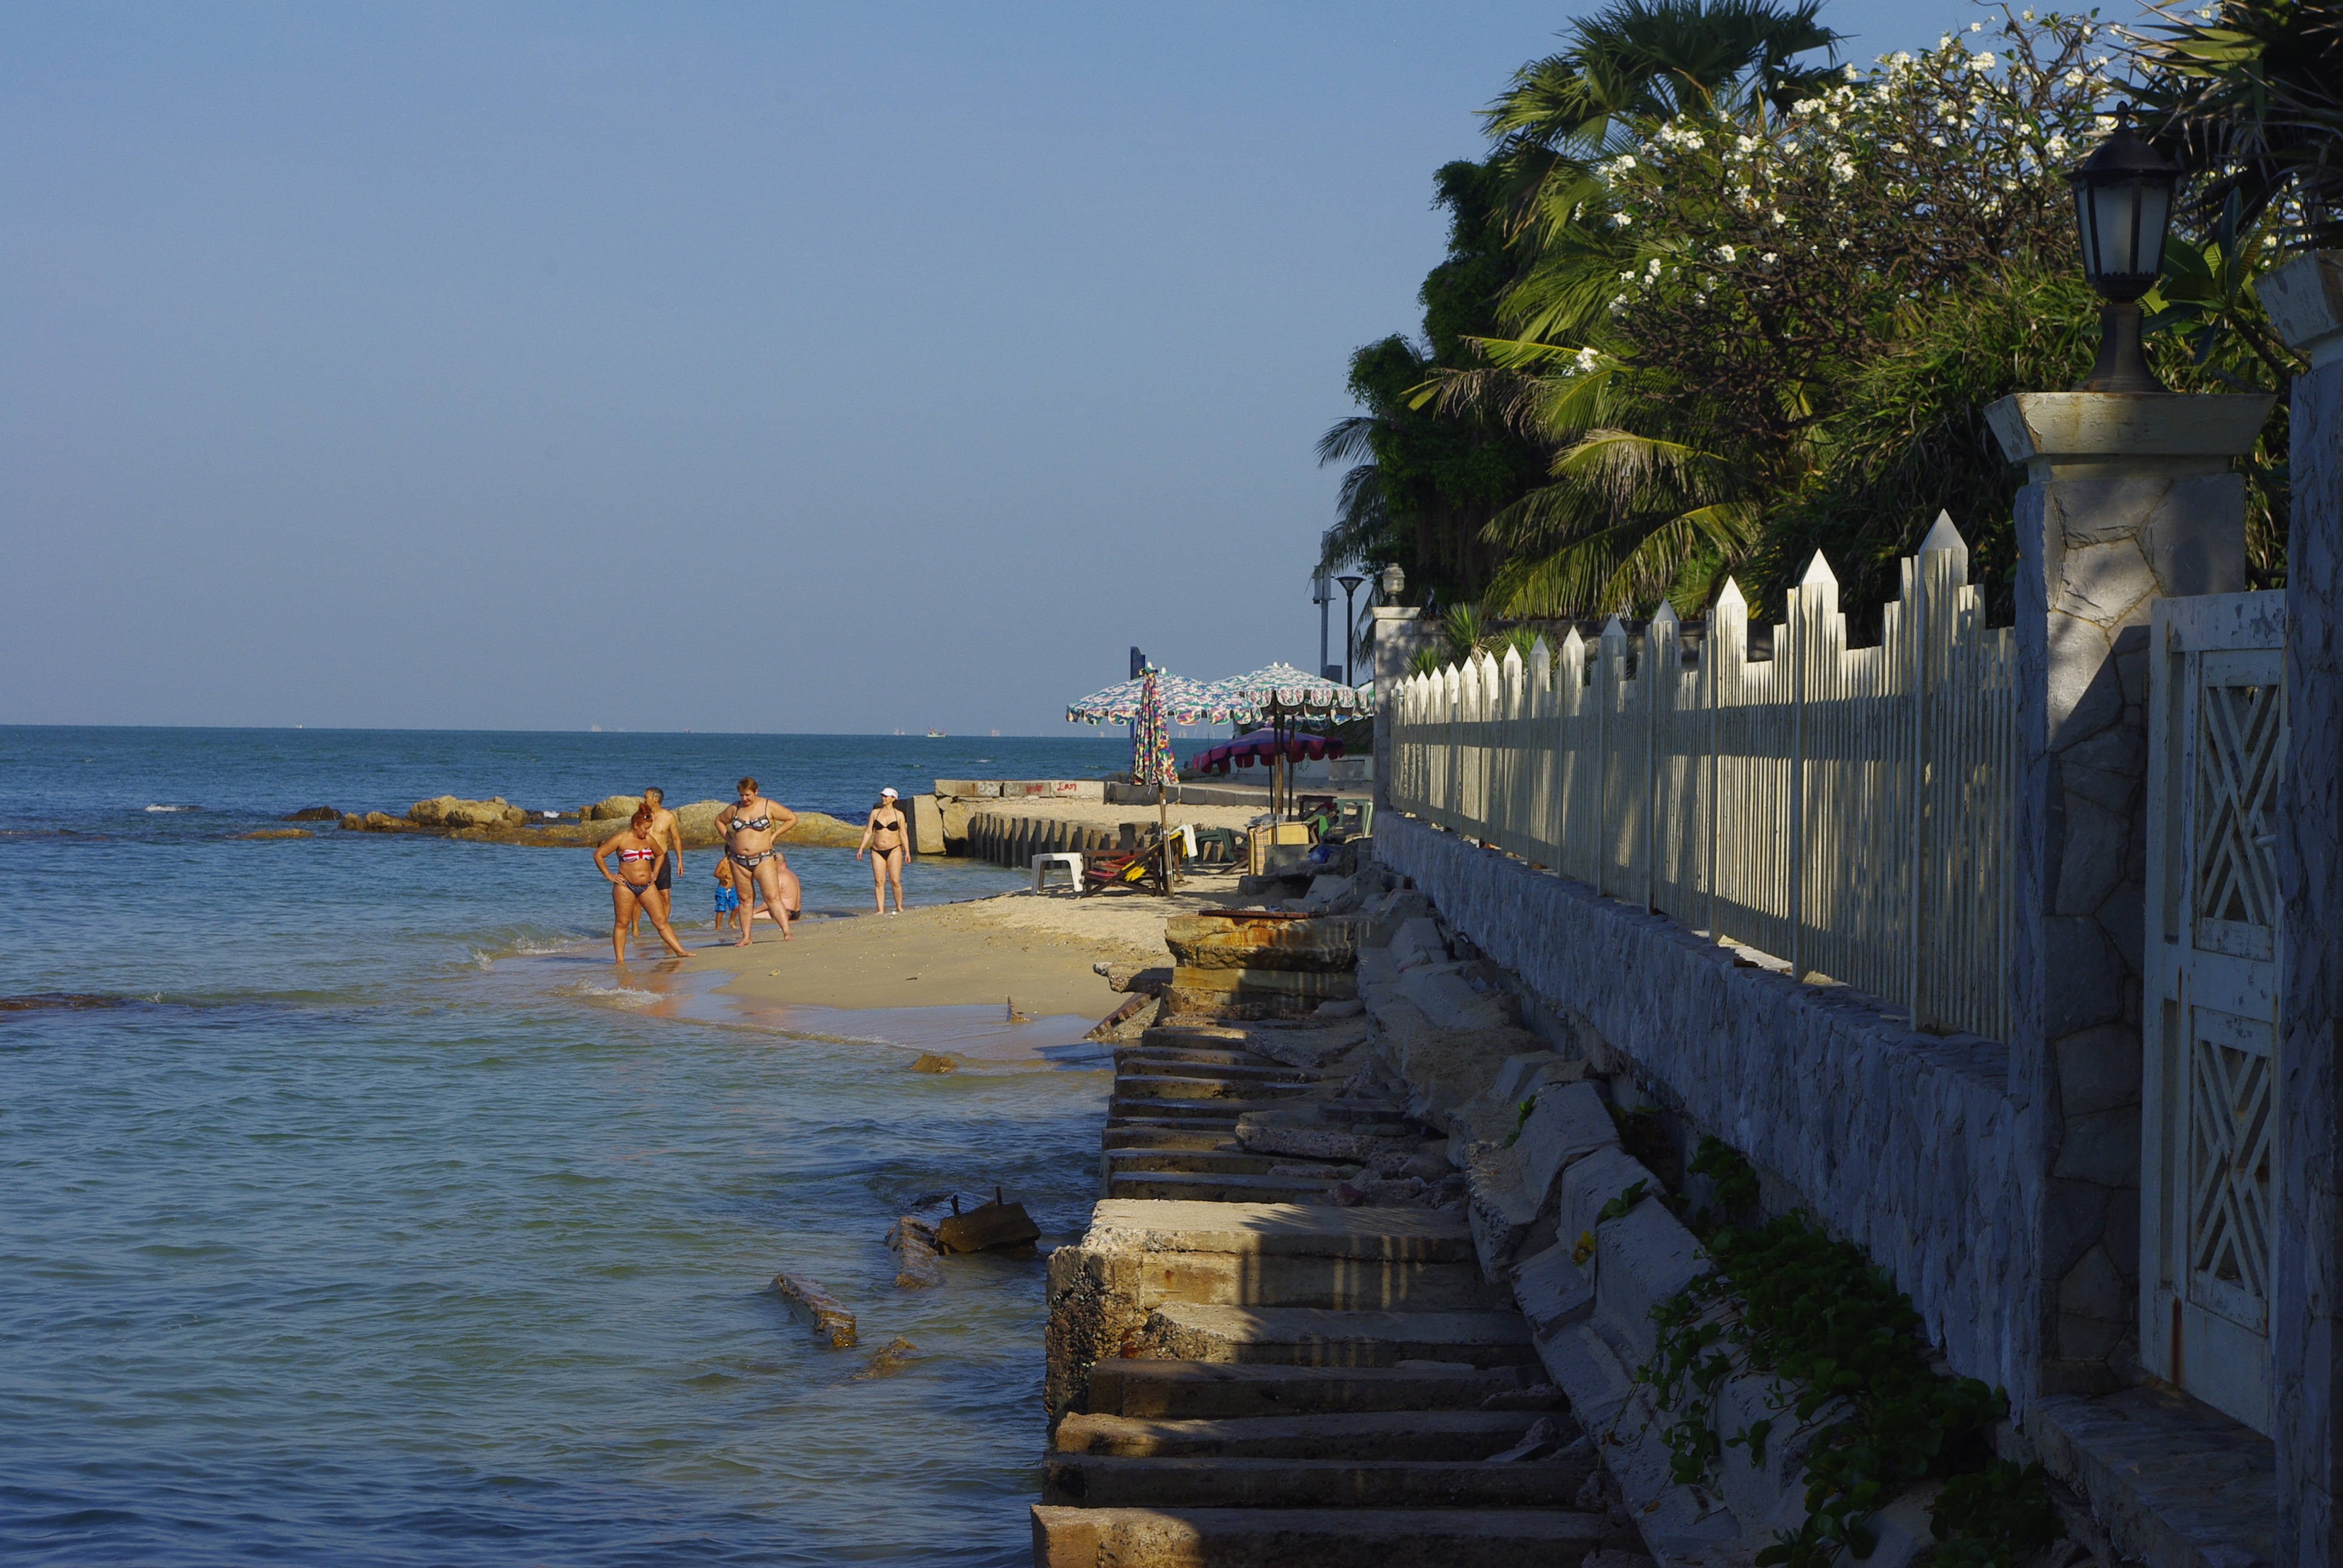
<point x="1245" y="1371"/>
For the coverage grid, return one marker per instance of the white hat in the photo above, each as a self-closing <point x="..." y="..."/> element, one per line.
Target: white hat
<point x="887" y="793"/>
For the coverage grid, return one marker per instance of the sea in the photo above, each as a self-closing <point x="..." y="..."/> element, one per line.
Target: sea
<point x="356" y="1209"/>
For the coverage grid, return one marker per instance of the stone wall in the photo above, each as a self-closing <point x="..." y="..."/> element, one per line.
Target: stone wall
<point x="1907" y="1143"/>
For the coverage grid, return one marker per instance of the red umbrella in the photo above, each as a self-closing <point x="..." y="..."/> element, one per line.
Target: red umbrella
<point x="1263" y="745"/>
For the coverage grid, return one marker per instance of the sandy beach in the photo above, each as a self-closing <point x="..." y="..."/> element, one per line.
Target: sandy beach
<point x="1037" y="950"/>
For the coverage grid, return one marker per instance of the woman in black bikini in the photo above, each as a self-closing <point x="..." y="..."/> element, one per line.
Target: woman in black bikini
<point x="633" y="886"/>
<point x="752" y="831"/>
<point x="888" y="838"/>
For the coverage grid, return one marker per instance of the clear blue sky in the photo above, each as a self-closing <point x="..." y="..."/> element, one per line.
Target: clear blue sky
<point x="718" y="366"/>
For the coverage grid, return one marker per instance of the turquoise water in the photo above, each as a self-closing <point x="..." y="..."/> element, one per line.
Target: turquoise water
<point x="373" y="1221"/>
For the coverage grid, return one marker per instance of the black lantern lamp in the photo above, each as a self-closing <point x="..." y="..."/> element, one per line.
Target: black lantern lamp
<point x="2123" y="201"/>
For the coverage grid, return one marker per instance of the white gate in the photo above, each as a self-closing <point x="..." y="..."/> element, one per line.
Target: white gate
<point x="2217" y="741"/>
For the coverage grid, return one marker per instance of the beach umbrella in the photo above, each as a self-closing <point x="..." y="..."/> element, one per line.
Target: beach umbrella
<point x="1182" y="701"/>
<point x="1151" y="759"/>
<point x="1281" y="693"/>
<point x="1264" y="745"/>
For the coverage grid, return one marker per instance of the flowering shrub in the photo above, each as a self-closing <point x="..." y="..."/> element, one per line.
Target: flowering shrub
<point x="1760" y="256"/>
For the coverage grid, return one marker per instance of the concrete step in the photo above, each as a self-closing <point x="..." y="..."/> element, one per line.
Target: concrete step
<point x="1147" y="1106"/>
<point x="1418" y="1235"/>
<point x="1417" y="1434"/>
<point x="1312" y="1336"/>
<point x="1211" y="1187"/>
<point x="1322" y="1538"/>
<point x="1167" y="1135"/>
<point x="1188" y="1389"/>
<point x="1228" y="1057"/>
<point x="1102" y="1480"/>
<point x="1229" y="1160"/>
<point x="1165" y="1086"/>
<point x="1176" y="1064"/>
<point x="1206" y="1037"/>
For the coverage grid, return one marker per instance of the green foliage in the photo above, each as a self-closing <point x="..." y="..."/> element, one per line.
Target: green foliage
<point x="2253" y="95"/>
<point x="1838" y="1343"/>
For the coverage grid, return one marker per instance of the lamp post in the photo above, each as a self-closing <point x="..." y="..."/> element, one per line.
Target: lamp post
<point x="1395" y="583"/>
<point x="2123" y="201"/>
<point x="1349" y="630"/>
<point x="1322" y="595"/>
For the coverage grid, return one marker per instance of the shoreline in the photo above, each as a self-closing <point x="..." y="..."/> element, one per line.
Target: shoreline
<point x="1035" y="951"/>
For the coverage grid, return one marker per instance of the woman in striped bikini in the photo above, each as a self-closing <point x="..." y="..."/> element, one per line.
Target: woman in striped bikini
<point x="634" y="885"/>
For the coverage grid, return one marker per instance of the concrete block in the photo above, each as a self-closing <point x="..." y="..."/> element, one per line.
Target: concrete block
<point x="1640" y="1262"/>
<point x="1417" y="942"/>
<point x="1594" y="1182"/>
<point x="1303" y="1336"/>
<point x="1553" y="1292"/>
<point x="1449" y="1001"/>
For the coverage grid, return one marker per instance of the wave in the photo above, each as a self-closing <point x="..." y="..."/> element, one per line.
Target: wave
<point x="167" y="808"/>
<point x="617" y="993"/>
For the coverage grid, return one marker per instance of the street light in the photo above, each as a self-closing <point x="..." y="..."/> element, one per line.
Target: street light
<point x="2123" y="201"/>
<point x="1395" y="583"/>
<point x="1349" y="630"/>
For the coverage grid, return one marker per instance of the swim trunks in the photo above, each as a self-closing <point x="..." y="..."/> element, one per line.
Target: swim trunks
<point x="665" y="882"/>
<point x="727" y="901"/>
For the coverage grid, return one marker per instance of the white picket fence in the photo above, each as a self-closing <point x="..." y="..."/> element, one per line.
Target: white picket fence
<point x="1846" y="810"/>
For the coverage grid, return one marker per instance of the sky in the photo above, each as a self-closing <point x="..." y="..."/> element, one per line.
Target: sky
<point x="751" y="368"/>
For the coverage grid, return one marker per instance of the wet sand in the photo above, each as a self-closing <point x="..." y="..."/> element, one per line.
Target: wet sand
<point x="1035" y="949"/>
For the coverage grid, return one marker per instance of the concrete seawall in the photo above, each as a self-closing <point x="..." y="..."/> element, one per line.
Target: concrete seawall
<point x="1904" y="1142"/>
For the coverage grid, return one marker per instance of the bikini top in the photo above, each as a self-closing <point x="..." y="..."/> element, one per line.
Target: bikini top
<point x="759" y="826"/>
<point x="651" y="854"/>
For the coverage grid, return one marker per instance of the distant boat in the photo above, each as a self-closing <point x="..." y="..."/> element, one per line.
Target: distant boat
<point x="935" y="735"/>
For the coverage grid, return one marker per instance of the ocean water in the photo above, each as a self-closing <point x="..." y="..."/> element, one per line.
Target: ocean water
<point x="359" y="1212"/>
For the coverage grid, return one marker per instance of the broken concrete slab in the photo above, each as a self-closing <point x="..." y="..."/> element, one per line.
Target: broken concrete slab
<point x="829" y="1317"/>
<point x="1327" y="945"/>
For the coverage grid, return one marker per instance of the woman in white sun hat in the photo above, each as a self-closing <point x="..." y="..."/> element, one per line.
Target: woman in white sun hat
<point x="888" y="836"/>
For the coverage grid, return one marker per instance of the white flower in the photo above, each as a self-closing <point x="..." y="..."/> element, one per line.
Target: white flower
<point x="1844" y="242"/>
<point x="1622" y="220"/>
<point x="2028" y="15"/>
<point x="1977" y="26"/>
<point x="2104" y="124"/>
<point x="1618" y="305"/>
<point x="1982" y="62"/>
<point x="1587" y="360"/>
<point x="2074" y="78"/>
<point x="1901" y="59"/>
<point x="1897" y="147"/>
<point x="1628" y="275"/>
<point x="1770" y="257"/>
<point x="1936" y="141"/>
<point x="1745" y="144"/>
<point x="1726" y="253"/>
<point x="1652" y="269"/>
<point x="1946" y="41"/>
<point x="1778" y="217"/>
<point x="2057" y="146"/>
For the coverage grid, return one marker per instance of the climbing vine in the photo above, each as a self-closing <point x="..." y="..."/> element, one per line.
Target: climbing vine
<point x="1835" y="1336"/>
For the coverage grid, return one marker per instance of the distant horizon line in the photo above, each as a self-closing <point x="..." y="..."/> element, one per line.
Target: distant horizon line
<point x="1103" y="732"/>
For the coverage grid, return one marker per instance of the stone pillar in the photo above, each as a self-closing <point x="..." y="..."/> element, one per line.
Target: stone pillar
<point x="2304" y="300"/>
<point x="2131" y="499"/>
<point x="1396" y="638"/>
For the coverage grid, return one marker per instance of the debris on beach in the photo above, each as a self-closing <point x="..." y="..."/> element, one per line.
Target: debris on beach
<point x="893" y="1357"/>
<point x="830" y="1318"/>
<point x="918" y="1264"/>
<point x="929" y="1062"/>
<point x="1128" y="1022"/>
<point x="995" y="1225"/>
<point x="1014" y="1016"/>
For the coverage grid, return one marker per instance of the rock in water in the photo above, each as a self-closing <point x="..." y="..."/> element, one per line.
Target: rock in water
<point x="830" y="1320"/>
<point x="995" y="1225"/>
<point x="913" y="1240"/>
<point x="311" y="814"/>
<point x="278" y="833"/>
<point x="893" y="1357"/>
<point x="929" y="1060"/>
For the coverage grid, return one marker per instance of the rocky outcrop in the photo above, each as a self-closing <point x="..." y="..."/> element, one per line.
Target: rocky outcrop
<point x="311" y="814"/>
<point x="496" y="821"/>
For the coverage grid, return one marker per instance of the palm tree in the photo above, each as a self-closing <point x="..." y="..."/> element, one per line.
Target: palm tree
<point x="1640" y="500"/>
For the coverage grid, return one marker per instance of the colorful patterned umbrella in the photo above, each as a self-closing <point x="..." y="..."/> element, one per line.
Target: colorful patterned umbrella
<point x="1282" y="688"/>
<point x="1151" y="739"/>
<point x="1182" y="701"/>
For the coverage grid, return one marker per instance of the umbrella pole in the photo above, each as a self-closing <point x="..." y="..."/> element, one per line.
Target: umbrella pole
<point x="1163" y="836"/>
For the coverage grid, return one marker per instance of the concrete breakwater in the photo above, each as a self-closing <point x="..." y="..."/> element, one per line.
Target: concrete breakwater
<point x="1008" y="839"/>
